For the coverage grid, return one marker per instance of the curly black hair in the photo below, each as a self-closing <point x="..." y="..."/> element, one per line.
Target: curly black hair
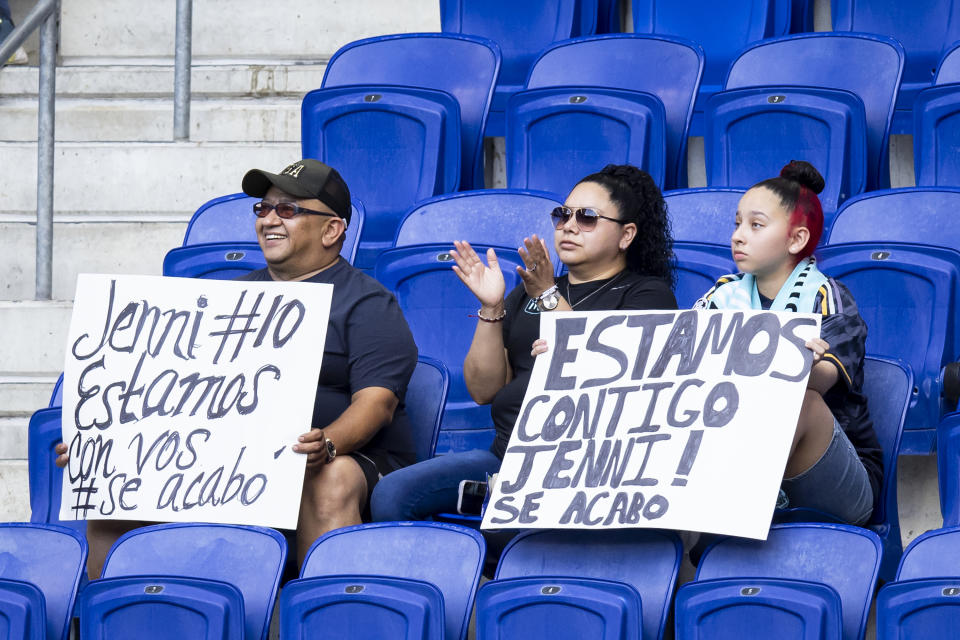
<point x="639" y="200"/>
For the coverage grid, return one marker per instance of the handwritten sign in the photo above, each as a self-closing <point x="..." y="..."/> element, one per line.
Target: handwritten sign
<point x="182" y="398"/>
<point x="674" y="420"/>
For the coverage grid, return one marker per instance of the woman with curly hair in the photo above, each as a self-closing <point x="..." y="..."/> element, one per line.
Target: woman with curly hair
<point x="613" y="235"/>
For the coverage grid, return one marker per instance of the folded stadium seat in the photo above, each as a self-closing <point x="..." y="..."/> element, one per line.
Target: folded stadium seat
<point x="586" y="17"/>
<point x="921" y="217"/>
<point x="466" y="67"/>
<point x="888" y="387"/>
<point x="670" y="70"/>
<point x="698" y="267"/>
<point x="750" y="134"/>
<point x="723" y="29"/>
<point x="361" y="607"/>
<point x="426" y="396"/>
<point x="703" y="215"/>
<point x="608" y="16"/>
<point x="558" y="135"/>
<point x="394" y="146"/>
<point x="869" y="66"/>
<point x="221" y="240"/>
<point x="447" y="556"/>
<point x="56" y="396"/>
<point x="44" y="477"/>
<point x="842" y="557"/>
<point x="923" y="602"/>
<point x="246" y="557"/>
<point x="522" y="29"/>
<point x="50" y="558"/>
<point x="645" y="559"/>
<point x="438" y="308"/>
<point x="558" y="608"/>
<point x="936" y="126"/>
<point x="925" y="28"/>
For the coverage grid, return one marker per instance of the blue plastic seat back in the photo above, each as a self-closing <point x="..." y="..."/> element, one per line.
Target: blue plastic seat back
<point x="868" y="66"/>
<point x="948" y="70"/>
<point x="56" y="396"/>
<point x="752" y="133"/>
<point x="493" y="217"/>
<point x="734" y="608"/>
<point x="214" y="260"/>
<point x="231" y="219"/>
<point x="792" y="16"/>
<point x="670" y="70"/>
<point x="156" y="607"/>
<point x="559" y="135"/>
<point x="608" y="16"/>
<point x="925" y="28"/>
<point x="466" y="67"/>
<point x="932" y="554"/>
<point x="843" y="557"/>
<point x="424" y="402"/>
<point x="51" y="558"/>
<point x="917" y="215"/>
<point x="249" y="558"/>
<point x="561" y="608"/>
<point x="647" y="560"/>
<point x="23" y="614"/>
<point x="438" y="308"/>
<point x="445" y="555"/>
<point x="923" y="608"/>
<point x="936" y="135"/>
<point x="44" y="477"/>
<point x="723" y="29"/>
<point x="697" y="269"/>
<point x="361" y="607"/>
<point x="948" y="474"/>
<point x="897" y="286"/>
<point x="704" y="215"/>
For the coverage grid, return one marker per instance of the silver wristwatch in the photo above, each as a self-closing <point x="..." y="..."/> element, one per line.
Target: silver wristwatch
<point x="331" y="450"/>
<point x="549" y="299"/>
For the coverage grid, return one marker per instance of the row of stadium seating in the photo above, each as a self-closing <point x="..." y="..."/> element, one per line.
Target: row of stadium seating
<point x="419" y="581"/>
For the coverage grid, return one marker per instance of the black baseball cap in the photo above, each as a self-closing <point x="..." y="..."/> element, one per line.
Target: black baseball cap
<point x="307" y="178"/>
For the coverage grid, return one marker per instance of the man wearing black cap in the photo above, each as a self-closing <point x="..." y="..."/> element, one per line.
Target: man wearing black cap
<point x="360" y="429"/>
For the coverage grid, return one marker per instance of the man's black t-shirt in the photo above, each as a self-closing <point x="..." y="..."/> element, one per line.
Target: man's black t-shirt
<point x="626" y="290"/>
<point x="368" y="345"/>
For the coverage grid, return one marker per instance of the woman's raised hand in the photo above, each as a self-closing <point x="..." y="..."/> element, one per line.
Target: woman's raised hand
<point x="538" y="275"/>
<point x="484" y="280"/>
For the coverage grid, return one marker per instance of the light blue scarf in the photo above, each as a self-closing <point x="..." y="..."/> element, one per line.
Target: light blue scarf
<point x="798" y="293"/>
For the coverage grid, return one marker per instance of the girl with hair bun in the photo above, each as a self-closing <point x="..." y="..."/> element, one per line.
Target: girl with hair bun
<point x="613" y="235"/>
<point x="835" y="463"/>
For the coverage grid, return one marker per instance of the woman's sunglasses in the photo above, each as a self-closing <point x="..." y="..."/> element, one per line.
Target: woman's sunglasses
<point x="586" y="218"/>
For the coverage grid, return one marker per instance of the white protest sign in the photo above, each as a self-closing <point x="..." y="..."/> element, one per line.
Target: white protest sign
<point x="182" y="398"/>
<point x="673" y="420"/>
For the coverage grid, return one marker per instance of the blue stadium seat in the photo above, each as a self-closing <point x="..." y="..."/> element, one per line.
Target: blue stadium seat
<point x="723" y="29"/>
<point x="750" y="134"/>
<point x="469" y="69"/>
<point x="698" y="268"/>
<point x="556" y="136"/>
<point x="792" y="16"/>
<point x="160" y="607"/>
<point x="900" y="286"/>
<point x="522" y="29"/>
<point x="888" y="387"/>
<point x="494" y="217"/>
<point x="448" y="556"/>
<point x="866" y="65"/>
<point x="704" y="215"/>
<point x="936" y="138"/>
<point x="56" y="396"/>
<point x="393" y="145"/>
<point x="424" y="402"/>
<point x="734" y="608"/>
<point x="52" y="559"/>
<point x="670" y="70"/>
<point x="923" y="602"/>
<point x="214" y="260"/>
<point x="948" y="70"/>
<point x="842" y="557"/>
<point x="362" y="608"/>
<point x="925" y="28"/>
<point x="608" y="16"/>
<point x="249" y="558"/>
<point x="44" y="477"/>
<point x="916" y="215"/>
<point x="585" y="17"/>
<point x="551" y="608"/>
<point x="646" y="559"/>
<point x="438" y="307"/>
<point x="948" y="468"/>
<point x="23" y="613"/>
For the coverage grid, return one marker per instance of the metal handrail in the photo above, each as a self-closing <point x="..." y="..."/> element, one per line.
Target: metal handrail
<point x="46" y="15"/>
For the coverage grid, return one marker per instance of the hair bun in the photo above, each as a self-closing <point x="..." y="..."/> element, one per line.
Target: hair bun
<point x="804" y="174"/>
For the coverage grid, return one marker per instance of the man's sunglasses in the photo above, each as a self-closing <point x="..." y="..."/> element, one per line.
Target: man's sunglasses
<point x="586" y="218"/>
<point x="286" y="210"/>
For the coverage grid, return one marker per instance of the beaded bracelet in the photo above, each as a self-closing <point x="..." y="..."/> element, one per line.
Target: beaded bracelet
<point x="499" y="318"/>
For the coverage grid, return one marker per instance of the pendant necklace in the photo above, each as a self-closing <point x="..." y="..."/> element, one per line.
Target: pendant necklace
<point x="573" y="305"/>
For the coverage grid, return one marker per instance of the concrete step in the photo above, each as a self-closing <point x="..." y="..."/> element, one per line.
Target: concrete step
<point x="21" y="395"/>
<point x="108" y="77"/>
<point x="236" y="28"/>
<point x="35" y="337"/>
<point x="13" y="438"/>
<point x="274" y="119"/>
<point x="14" y="491"/>
<point x="111" y="180"/>
<point x="133" y="247"/>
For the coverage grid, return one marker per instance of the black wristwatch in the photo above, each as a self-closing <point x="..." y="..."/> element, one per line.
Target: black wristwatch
<point x="549" y="299"/>
<point x="331" y="450"/>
